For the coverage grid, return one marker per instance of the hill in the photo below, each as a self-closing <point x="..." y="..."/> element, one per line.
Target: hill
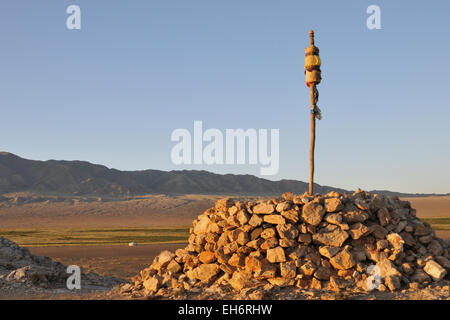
<point x="82" y="178"/>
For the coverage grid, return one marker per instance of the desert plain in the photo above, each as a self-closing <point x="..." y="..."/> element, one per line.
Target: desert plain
<point x="95" y="234"/>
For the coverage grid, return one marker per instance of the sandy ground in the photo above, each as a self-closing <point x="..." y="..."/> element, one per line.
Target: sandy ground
<point x="147" y="211"/>
<point x="431" y="207"/>
<point x="118" y="261"/>
<point x="151" y="211"/>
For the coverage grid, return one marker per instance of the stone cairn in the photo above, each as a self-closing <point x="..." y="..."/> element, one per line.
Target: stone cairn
<point x="19" y="268"/>
<point x="357" y="241"/>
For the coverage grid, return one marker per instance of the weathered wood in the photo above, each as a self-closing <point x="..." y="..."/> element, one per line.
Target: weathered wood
<point x="313" y="78"/>
<point x="312" y="87"/>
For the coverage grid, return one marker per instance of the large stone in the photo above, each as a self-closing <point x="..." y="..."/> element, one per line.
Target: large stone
<point x="269" y="243"/>
<point x="288" y="269"/>
<point x="308" y="268"/>
<point x="443" y="261"/>
<point x="396" y="241"/>
<point x="291" y="215"/>
<point x="221" y="257"/>
<point x="162" y="260"/>
<point x="435" y="248"/>
<point x="274" y="219"/>
<point x="242" y="238"/>
<point x="355" y="216"/>
<point x="255" y="244"/>
<point x="264" y="208"/>
<point x="243" y="217"/>
<point x="335" y="238"/>
<point x="268" y="233"/>
<point x="322" y="274"/>
<point x="305" y="238"/>
<point x="237" y="260"/>
<point x="314" y="257"/>
<point x="207" y="272"/>
<point x="152" y="284"/>
<point x="435" y="270"/>
<point x="387" y="268"/>
<point x="288" y="196"/>
<point x="408" y="268"/>
<point x="190" y="261"/>
<point x="202" y="225"/>
<point x="312" y="213"/>
<point x="255" y="233"/>
<point x="211" y="237"/>
<point x="223" y="240"/>
<point x="422" y="230"/>
<point x="207" y="257"/>
<point x="287" y="231"/>
<point x="426" y="239"/>
<point x="343" y="260"/>
<point x="233" y="210"/>
<point x="408" y="238"/>
<point x="255" y="221"/>
<point x="375" y="255"/>
<point x="232" y="221"/>
<point x="268" y="270"/>
<point x="253" y="264"/>
<point x="333" y="205"/>
<point x="283" y="206"/>
<point x="328" y="251"/>
<point x="333" y="218"/>
<point x="173" y="267"/>
<point x="362" y="204"/>
<point x="400" y="226"/>
<point x="378" y="201"/>
<point x="228" y="270"/>
<point x="276" y="255"/>
<point x="224" y="204"/>
<point x="383" y="216"/>
<point x="358" y="230"/>
<point x="420" y="276"/>
<point x="286" y="243"/>
<point x="392" y="282"/>
<point x="240" y="280"/>
<point x="378" y="231"/>
<point x="297" y="253"/>
<point x="239" y="236"/>
<point x="281" y="281"/>
<point x="382" y="244"/>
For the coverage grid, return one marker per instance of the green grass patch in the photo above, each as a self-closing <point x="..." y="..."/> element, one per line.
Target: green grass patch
<point x="97" y="236"/>
<point x="438" y="223"/>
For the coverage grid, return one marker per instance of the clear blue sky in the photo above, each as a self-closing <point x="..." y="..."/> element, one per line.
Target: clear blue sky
<point x="113" y="92"/>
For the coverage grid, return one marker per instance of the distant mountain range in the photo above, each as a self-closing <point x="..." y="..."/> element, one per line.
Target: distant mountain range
<point x="87" y="179"/>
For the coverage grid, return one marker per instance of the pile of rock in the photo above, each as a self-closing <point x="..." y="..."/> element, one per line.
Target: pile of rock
<point x="22" y="271"/>
<point x="357" y="241"/>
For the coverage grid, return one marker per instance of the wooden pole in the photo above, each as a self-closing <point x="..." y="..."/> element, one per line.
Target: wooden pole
<point x="312" y="88"/>
<point x="313" y="141"/>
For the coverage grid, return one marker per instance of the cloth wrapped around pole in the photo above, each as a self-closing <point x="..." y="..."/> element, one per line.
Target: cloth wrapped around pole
<point x="312" y="65"/>
<point x="312" y="61"/>
<point x="313" y="76"/>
